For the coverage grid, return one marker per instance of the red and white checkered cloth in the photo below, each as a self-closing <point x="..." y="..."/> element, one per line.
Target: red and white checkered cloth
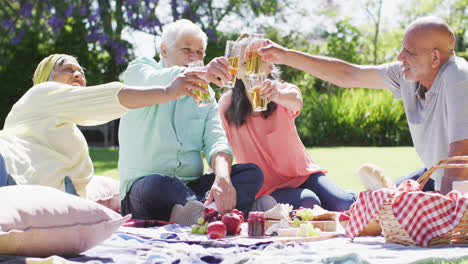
<point x="423" y="215"/>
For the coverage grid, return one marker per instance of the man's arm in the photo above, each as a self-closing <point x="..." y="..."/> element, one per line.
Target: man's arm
<point x="332" y="70"/>
<point x="144" y="72"/>
<point x="457" y="148"/>
<point x="222" y="191"/>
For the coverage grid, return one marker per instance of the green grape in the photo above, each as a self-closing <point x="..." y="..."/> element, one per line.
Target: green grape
<point x="309" y="214"/>
<point x="297" y="222"/>
<point x="195" y="229"/>
<point x="201" y="221"/>
<point x="202" y="230"/>
<point x="314" y="232"/>
<point x="300" y="213"/>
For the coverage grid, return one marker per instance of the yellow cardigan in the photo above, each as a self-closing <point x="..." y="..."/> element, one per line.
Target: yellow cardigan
<point x="40" y="141"/>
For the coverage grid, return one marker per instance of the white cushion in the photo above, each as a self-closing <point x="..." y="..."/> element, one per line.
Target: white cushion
<point x="43" y="221"/>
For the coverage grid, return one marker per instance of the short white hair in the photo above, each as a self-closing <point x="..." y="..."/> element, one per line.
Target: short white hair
<point x="172" y="31"/>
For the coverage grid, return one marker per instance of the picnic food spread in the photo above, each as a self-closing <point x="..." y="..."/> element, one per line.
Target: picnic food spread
<point x="281" y="221"/>
<point x="301" y="222"/>
<point x="231" y="222"/>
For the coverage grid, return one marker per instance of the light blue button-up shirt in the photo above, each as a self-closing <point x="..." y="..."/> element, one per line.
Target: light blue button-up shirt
<point x="166" y="139"/>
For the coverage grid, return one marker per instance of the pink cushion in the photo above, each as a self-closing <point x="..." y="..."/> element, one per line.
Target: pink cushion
<point x="104" y="190"/>
<point x="43" y="221"/>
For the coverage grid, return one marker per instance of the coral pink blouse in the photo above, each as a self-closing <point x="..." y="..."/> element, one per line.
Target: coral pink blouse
<point x="273" y="144"/>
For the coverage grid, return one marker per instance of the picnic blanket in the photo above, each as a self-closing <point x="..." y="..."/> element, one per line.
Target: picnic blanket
<point x="175" y="244"/>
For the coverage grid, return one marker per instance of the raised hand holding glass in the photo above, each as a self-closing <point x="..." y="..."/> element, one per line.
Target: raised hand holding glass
<point x="232" y="52"/>
<point x="258" y="103"/>
<point x="203" y="98"/>
<point x="255" y="41"/>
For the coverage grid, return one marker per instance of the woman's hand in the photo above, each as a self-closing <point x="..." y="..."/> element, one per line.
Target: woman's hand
<point x="185" y="82"/>
<point x="285" y="94"/>
<point x="270" y="90"/>
<point x="133" y="97"/>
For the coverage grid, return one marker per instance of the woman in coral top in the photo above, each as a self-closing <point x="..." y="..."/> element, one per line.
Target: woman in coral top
<point x="270" y="140"/>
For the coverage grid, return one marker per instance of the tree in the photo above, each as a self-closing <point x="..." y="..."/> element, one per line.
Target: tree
<point x="458" y="19"/>
<point x="92" y="31"/>
<point x="374" y="11"/>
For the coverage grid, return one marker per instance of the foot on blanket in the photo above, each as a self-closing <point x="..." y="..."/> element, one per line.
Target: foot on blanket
<point x="187" y="215"/>
<point x="372" y="178"/>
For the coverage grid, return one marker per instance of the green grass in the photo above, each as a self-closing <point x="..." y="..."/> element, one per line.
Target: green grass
<point x="105" y="161"/>
<point x="341" y="162"/>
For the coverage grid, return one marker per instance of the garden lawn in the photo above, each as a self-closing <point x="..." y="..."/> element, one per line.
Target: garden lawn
<point x="341" y="162"/>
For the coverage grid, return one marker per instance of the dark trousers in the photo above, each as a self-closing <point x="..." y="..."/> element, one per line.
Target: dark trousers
<point x="414" y="176"/>
<point x="317" y="189"/>
<point x="153" y="196"/>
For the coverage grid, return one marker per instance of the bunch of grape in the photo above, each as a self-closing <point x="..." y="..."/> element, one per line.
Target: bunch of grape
<point x="300" y="215"/>
<point x="307" y="229"/>
<point x="211" y="215"/>
<point x="201" y="227"/>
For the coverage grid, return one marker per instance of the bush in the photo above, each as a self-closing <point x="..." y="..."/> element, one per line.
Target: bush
<point x="352" y="117"/>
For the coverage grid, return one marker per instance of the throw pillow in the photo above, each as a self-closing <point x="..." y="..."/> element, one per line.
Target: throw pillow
<point x="41" y="221"/>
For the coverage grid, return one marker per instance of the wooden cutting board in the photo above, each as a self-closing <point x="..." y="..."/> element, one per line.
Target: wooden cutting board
<point x="327" y="226"/>
<point x="245" y="240"/>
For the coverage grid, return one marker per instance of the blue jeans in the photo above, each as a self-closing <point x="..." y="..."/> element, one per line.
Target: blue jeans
<point x="153" y="196"/>
<point x="5" y="178"/>
<point x="414" y="176"/>
<point x="317" y="189"/>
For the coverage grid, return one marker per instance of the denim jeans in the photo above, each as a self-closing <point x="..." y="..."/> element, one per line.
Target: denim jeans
<point x="153" y="196"/>
<point x="317" y="189"/>
<point x="414" y="176"/>
<point x="5" y="178"/>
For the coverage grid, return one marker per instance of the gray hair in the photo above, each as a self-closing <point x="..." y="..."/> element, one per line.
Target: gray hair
<point x="172" y="31"/>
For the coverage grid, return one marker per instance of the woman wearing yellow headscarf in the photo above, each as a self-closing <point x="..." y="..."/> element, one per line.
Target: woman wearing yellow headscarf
<point x="40" y="142"/>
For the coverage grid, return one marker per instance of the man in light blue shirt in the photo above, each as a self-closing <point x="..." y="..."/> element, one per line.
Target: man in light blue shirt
<point x="160" y="162"/>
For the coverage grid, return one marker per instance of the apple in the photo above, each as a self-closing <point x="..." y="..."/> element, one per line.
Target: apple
<point x="232" y="222"/>
<point x="216" y="229"/>
<point x="239" y="213"/>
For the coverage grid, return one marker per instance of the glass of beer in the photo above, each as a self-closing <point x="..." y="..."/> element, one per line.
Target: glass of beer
<point x="203" y="98"/>
<point x="233" y="52"/>
<point x="252" y="68"/>
<point x="258" y="103"/>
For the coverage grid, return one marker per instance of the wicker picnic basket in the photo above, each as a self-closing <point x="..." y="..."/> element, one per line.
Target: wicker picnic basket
<point x="394" y="232"/>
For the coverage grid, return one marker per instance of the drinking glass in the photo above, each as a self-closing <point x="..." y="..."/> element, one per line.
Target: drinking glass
<point x="258" y="103"/>
<point x="203" y="98"/>
<point x="232" y="52"/>
<point x="252" y="68"/>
